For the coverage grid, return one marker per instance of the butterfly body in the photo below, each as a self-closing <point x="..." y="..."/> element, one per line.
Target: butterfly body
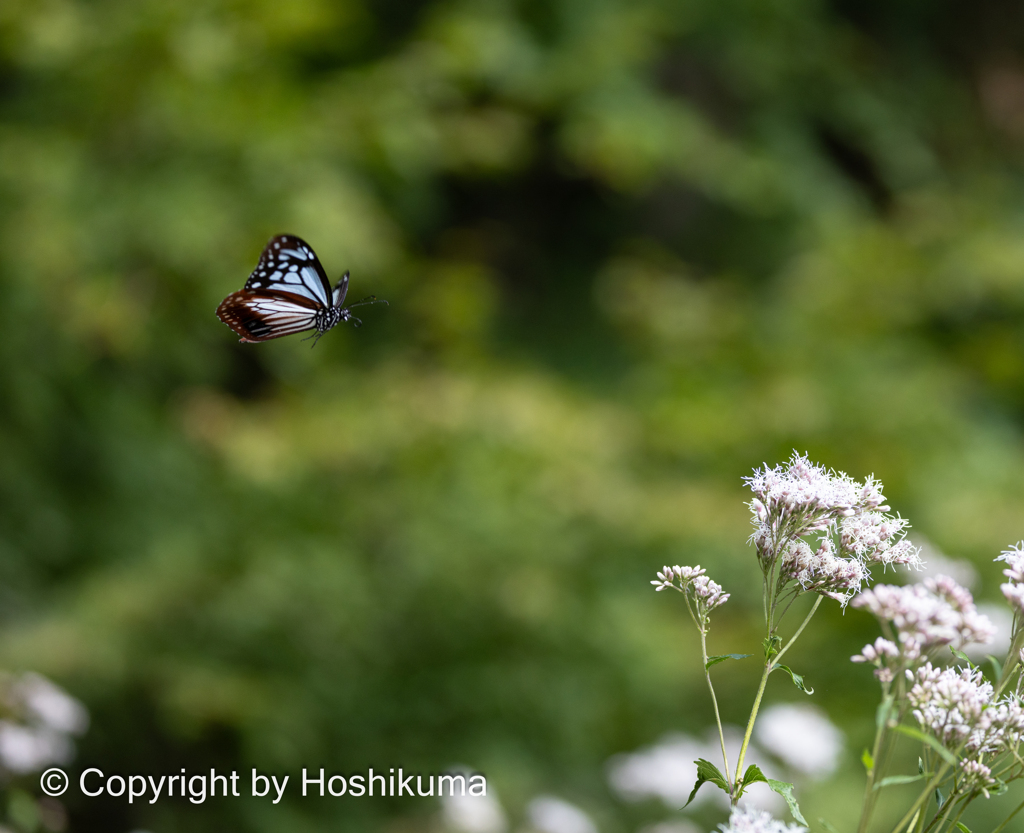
<point x="288" y="292"/>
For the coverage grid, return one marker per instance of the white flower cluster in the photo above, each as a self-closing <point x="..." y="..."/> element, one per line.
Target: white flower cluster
<point x="800" y="498"/>
<point x="805" y="497"/>
<point x="918" y="619"/>
<point x="694" y="583"/>
<point x="757" y="821"/>
<point x="958" y="707"/>
<point x="1013" y="590"/>
<point x="820" y="571"/>
<point x="41" y="718"/>
<point x="877" y="538"/>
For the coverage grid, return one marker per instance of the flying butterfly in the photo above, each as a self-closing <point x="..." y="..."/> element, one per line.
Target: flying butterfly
<point x="288" y="292"/>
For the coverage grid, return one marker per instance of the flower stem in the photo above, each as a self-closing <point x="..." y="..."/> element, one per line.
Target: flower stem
<point x="769" y="666"/>
<point x="942" y="812"/>
<point x="714" y="702"/>
<point x="1012" y="659"/>
<point x="1009" y="818"/>
<point x="800" y="630"/>
<point x="753" y="716"/>
<point x="927" y="791"/>
<point x="868" y="804"/>
<point x="963" y="807"/>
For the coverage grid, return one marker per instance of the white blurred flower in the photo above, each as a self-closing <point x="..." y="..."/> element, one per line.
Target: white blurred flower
<point x="1001" y="618"/>
<point x="26" y="749"/>
<point x="474" y="813"/>
<point x="665" y="770"/>
<point x="51" y="705"/>
<point x="936" y="563"/>
<point x="802" y="736"/>
<point x="757" y="821"/>
<point x="42" y="719"/>
<point x="548" y="814"/>
<point x="675" y="826"/>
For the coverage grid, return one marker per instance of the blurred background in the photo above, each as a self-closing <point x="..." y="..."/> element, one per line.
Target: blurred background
<point x="633" y="249"/>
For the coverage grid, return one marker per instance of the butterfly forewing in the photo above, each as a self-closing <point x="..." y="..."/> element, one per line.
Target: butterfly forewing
<point x="288" y="264"/>
<point x="340" y="291"/>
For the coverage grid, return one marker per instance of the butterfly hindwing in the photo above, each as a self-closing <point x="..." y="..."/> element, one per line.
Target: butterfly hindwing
<point x="261" y="316"/>
<point x="288" y="264"/>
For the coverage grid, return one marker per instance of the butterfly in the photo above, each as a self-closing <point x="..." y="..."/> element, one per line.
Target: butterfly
<point x="288" y="292"/>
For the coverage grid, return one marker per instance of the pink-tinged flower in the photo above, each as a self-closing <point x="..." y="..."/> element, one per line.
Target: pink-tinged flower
<point x="923" y="617"/>
<point x="881" y="650"/>
<point x="1014" y="557"/>
<point x="879" y="655"/>
<point x="1013" y="590"/>
<point x="956" y="705"/>
<point x="821" y="571"/>
<point x="692" y="582"/>
<point x="977" y="776"/>
<point x="801" y="496"/>
<point x="683" y="575"/>
<point x="800" y="499"/>
<point x="1014" y="594"/>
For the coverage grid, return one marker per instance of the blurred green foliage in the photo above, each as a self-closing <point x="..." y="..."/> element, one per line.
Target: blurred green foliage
<point x="633" y="248"/>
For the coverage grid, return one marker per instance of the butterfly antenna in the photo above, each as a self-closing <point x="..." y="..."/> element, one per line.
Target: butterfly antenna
<point x="369" y="299"/>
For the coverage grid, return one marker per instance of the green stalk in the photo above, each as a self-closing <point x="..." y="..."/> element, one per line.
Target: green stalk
<point x="800" y="630"/>
<point x="1009" y="818"/>
<point x="714" y="702"/>
<point x="927" y="791"/>
<point x="753" y="716"/>
<point x="942" y="812"/>
<point x="711" y="688"/>
<point x="952" y="824"/>
<point x="769" y="666"/>
<point x="1012" y="661"/>
<point x="868" y="804"/>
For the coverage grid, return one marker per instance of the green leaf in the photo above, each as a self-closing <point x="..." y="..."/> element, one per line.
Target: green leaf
<point x="753" y="775"/>
<point x="963" y="828"/>
<point x="829" y="827"/>
<point x="917" y="734"/>
<point x="723" y="657"/>
<point x="771" y="646"/>
<point x="707" y="771"/>
<point x="961" y="656"/>
<point x="786" y="791"/>
<point x="798" y="681"/>
<point x="997" y="668"/>
<point x="867" y="760"/>
<point x="892" y="780"/>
